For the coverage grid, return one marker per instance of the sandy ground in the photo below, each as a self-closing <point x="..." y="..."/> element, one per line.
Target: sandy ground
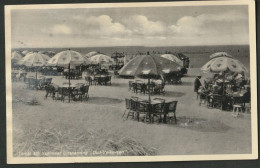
<point x="210" y="131"/>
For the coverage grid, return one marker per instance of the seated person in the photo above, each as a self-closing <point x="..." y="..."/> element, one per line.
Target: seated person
<point x="215" y="89"/>
<point x="220" y="90"/>
<point x="85" y="74"/>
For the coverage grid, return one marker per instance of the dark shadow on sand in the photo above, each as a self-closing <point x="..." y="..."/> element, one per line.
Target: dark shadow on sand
<point x="119" y="84"/>
<point x="191" y="76"/>
<point x="174" y="94"/>
<point x="103" y="100"/>
<point x="186" y="83"/>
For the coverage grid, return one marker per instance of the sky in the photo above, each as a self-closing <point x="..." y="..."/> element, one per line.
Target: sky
<point x="133" y="26"/>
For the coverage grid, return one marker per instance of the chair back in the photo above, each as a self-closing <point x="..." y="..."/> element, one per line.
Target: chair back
<point x="130" y="84"/>
<point x="50" y="87"/>
<point x="142" y="107"/>
<point x="134" y="104"/>
<point x="60" y="90"/>
<point x="84" y="88"/>
<point x="217" y="97"/>
<point x="170" y="107"/>
<point x="108" y="78"/>
<point x="116" y="72"/>
<point x="134" y="85"/>
<point x="65" y="91"/>
<point x="128" y="103"/>
<point x="158" y="108"/>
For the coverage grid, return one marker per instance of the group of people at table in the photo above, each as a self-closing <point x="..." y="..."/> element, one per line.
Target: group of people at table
<point x="223" y="91"/>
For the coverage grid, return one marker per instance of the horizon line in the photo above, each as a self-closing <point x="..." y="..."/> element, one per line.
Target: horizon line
<point x="138" y="46"/>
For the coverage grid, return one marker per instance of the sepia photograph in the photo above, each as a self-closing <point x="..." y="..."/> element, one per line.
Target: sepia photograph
<point x="131" y="82"/>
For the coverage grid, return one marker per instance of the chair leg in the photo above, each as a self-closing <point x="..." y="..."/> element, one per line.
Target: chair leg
<point x="127" y="114"/>
<point x="137" y="116"/>
<point x="175" y="119"/>
<point x="124" y="113"/>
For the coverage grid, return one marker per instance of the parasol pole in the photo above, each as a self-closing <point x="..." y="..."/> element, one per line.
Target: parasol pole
<point x="69" y="82"/>
<point x="36" y="79"/>
<point x="223" y="91"/>
<point x="149" y="94"/>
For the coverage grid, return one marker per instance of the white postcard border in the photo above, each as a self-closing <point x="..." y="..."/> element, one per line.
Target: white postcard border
<point x="253" y="77"/>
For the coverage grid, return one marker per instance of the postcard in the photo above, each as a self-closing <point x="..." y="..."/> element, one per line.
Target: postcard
<point x="131" y="82"/>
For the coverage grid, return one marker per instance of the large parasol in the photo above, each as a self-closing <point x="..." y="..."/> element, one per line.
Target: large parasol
<point x="224" y="64"/>
<point x="100" y="59"/>
<point x="173" y="58"/>
<point x="220" y="54"/>
<point x="49" y="53"/>
<point x="90" y="54"/>
<point x="67" y="58"/>
<point x="149" y="66"/>
<point x="34" y="60"/>
<point x="25" y="52"/>
<point x="64" y="58"/>
<point x="15" y="57"/>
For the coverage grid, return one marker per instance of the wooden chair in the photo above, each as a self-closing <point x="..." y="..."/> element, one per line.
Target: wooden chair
<point x="34" y="83"/>
<point x="128" y="103"/>
<point x="50" y="90"/>
<point x="149" y="88"/>
<point x="216" y="101"/>
<point x="44" y="82"/>
<point x="65" y="92"/>
<point x="159" y="89"/>
<point x="108" y="79"/>
<point x="96" y="80"/>
<point x="88" y="79"/>
<point x="59" y="94"/>
<point x="203" y="98"/>
<point x="143" y="108"/>
<point x="23" y="76"/>
<point x="81" y="93"/>
<point x="140" y="87"/>
<point x="130" y="86"/>
<point x="170" y="107"/>
<point x="116" y="74"/>
<point x="158" y="111"/>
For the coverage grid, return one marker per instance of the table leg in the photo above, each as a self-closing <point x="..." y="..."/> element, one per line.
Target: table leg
<point x="164" y="118"/>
